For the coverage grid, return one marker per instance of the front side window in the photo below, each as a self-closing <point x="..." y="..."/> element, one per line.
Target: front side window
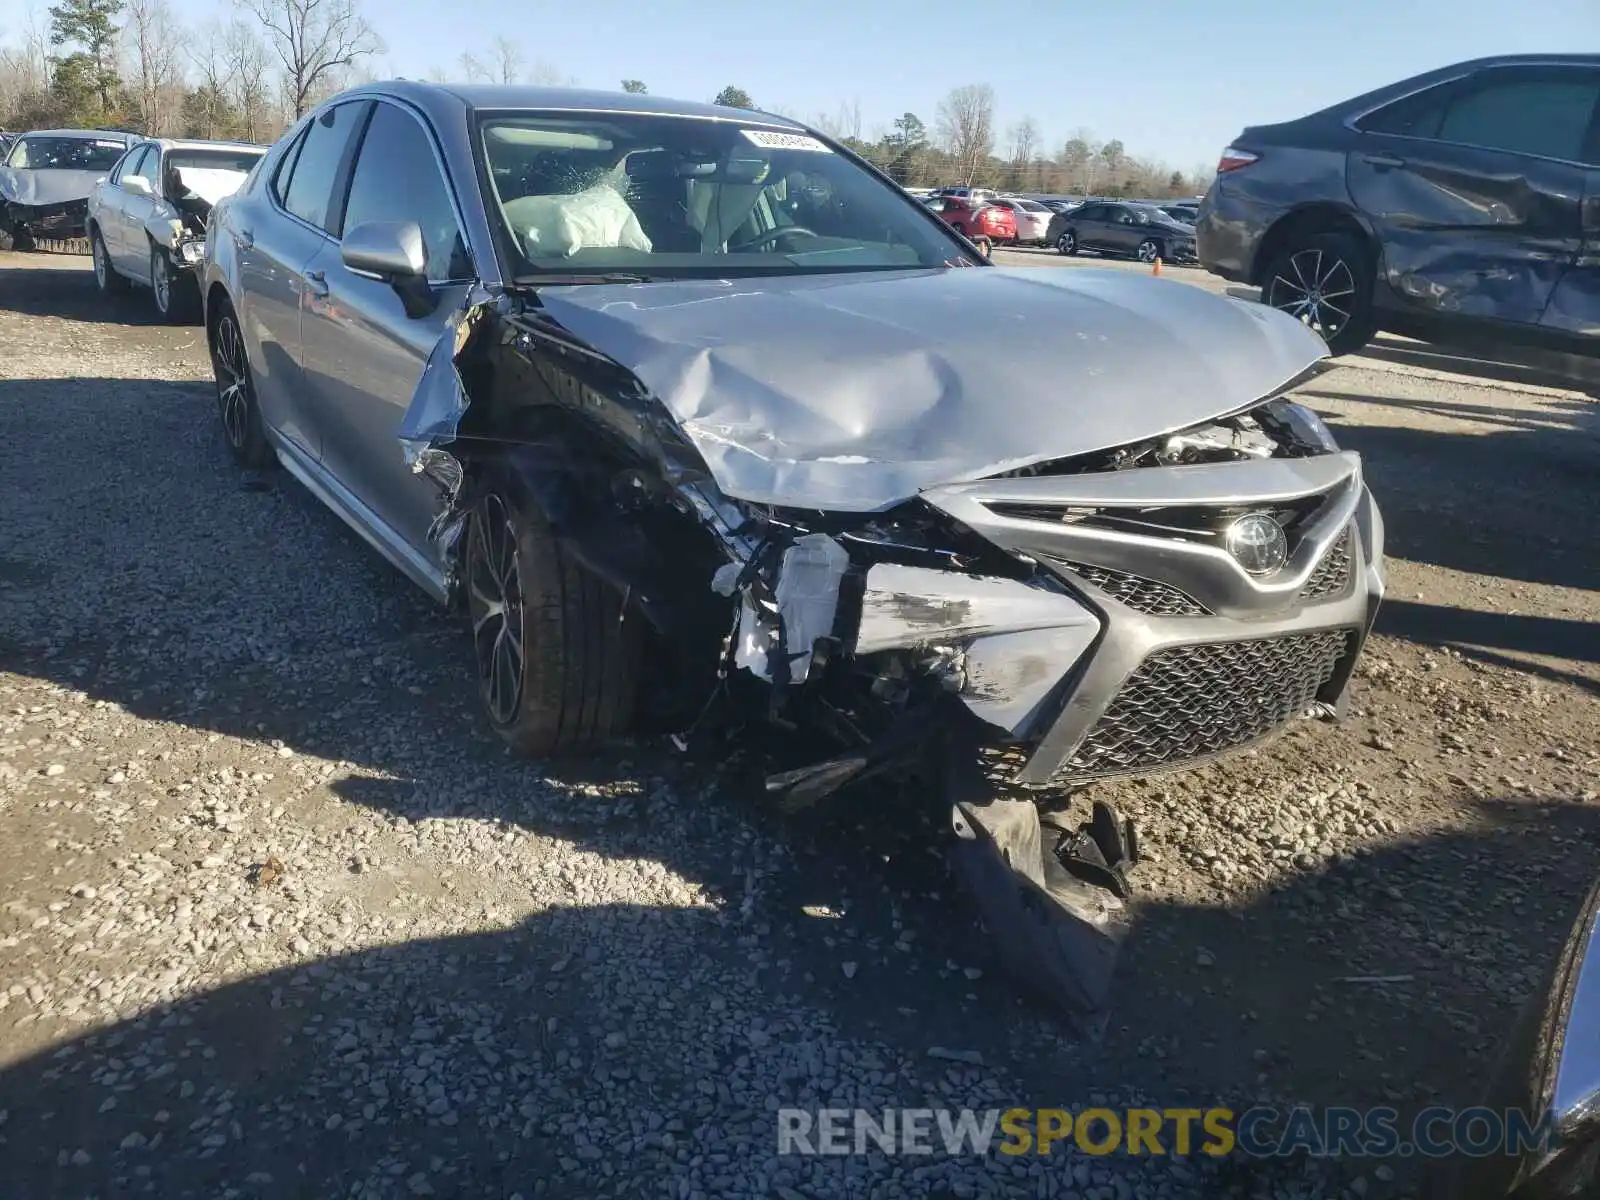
<point x="679" y="196"/>
<point x="316" y="167"/>
<point x="65" y="154"/>
<point x="397" y="178"/>
<point x="140" y="165"/>
<point x="1545" y="117"/>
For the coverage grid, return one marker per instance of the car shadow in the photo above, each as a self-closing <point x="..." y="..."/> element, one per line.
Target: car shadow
<point x="649" y="1045"/>
<point x="68" y="293"/>
<point x="1525" y="367"/>
<point x="1509" y="499"/>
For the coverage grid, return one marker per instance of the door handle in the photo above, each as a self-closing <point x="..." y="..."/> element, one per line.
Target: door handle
<point x="1384" y="162"/>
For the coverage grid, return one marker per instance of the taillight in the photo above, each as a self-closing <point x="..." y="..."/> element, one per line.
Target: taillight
<point x="1233" y="158"/>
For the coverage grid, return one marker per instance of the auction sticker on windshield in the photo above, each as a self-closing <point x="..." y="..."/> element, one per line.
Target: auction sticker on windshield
<point x="768" y="139"/>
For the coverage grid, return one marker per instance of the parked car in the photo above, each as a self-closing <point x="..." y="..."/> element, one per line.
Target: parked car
<point x="982" y="223"/>
<point x="1458" y="205"/>
<point x="1031" y="217"/>
<point x="147" y="221"/>
<point x="1123" y="227"/>
<point x="45" y="181"/>
<point x="966" y="193"/>
<point x="1183" y="211"/>
<point x="695" y="414"/>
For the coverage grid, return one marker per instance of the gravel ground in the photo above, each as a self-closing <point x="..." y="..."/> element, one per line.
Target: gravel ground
<point x="282" y="918"/>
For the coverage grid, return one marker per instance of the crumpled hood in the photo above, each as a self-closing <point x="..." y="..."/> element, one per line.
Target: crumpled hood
<point x="25" y="185"/>
<point x="856" y="392"/>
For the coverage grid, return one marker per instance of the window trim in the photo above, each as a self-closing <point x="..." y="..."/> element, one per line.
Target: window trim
<point x="348" y="175"/>
<point x="1483" y="73"/>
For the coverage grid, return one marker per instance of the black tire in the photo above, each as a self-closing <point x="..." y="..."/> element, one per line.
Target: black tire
<point x="1342" y="269"/>
<point x="1149" y="250"/>
<point x="1067" y="243"/>
<point x="577" y="681"/>
<point x="236" y="393"/>
<point x="176" y="297"/>
<point x="106" y="278"/>
<point x="14" y="237"/>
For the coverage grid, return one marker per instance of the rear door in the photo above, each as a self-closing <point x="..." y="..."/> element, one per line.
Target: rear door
<point x="1475" y="189"/>
<point x="275" y="250"/>
<point x="363" y="353"/>
<point x="1089" y="223"/>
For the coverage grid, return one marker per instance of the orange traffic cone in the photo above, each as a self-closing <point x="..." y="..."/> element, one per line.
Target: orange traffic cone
<point x="1155" y="267"/>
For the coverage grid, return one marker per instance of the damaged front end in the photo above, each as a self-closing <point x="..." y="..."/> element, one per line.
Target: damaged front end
<point x="1026" y="632"/>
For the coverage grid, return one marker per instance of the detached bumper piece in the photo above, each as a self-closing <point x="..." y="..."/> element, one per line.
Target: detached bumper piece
<point x="68" y="219"/>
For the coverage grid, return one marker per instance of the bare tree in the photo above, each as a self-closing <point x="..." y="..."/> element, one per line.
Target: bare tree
<point x="1081" y="157"/>
<point x="508" y="60"/>
<point x="544" y="73"/>
<point x="313" y="38"/>
<point x="246" y="60"/>
<point x="25" y="68"/>
<point x="153" y="40"/>
<point x="1024" y="137"/>
<point x="473" y="68"/>
<point x="966" y="125"/>
<point x="211" y="109"/>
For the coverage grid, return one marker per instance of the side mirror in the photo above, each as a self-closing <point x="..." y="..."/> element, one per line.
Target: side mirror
<point x="394" y="252"/>
<point x="388" y="250"/>
<point x="137" y="184"/>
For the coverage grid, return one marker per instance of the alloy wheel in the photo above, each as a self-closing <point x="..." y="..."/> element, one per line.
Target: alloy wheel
<point x="1149" y="251"/>
<point x="1315" y="281"/>
<point x="494" y="604"/>
<point x="1066" y="243"/>
<point x="101" y="267"/>
<point x="160" y="281"/>
<point x="232" y="370"/>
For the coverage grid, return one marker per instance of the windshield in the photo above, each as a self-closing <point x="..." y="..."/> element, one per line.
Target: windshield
<point x="65" y="154"/>
<point x="675" y="196"/>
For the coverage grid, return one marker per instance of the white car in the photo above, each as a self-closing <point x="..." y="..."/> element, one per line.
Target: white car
<point x="147" y="220"/>
<point x="1033" y="219"/>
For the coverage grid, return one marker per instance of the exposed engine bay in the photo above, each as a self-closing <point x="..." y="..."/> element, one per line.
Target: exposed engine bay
<point x="1068" y="618"/>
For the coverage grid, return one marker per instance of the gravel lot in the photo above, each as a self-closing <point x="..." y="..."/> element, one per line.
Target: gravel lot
<point x="281" y="917"/>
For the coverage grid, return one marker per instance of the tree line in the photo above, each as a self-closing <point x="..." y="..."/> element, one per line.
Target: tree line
<point x="248" y="72"/>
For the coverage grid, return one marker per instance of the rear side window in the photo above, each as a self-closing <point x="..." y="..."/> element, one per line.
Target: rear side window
<point x="316" y="166"/>
<point x="397" y="178"/>
<point x="1549" y="117"/>
<point x="1410" y="116"/>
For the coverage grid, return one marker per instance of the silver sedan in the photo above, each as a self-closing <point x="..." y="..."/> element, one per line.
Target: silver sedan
<point x="703" y="422"/>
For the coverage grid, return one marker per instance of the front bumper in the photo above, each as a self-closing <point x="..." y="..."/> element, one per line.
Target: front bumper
<point x="68" y="219"/>
<point x="1158" y="649"/>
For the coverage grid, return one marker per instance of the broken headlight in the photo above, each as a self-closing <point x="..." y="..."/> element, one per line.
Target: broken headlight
<point x="192" y="252"/>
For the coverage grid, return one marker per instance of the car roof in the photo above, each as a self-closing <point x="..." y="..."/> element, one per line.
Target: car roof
<point x="85" y="134"/>
<point x="443" y="100"/>
<point x="204" y="144"/>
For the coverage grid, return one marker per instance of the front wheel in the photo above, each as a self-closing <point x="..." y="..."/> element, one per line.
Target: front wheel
<point x="1149" y="250"/>
<point x="1067" y="243"/>
<point x="105" y="275"/>
<point x="556" y="651"/>
<point x="174" y="291"/>
<point x="1325" y="281"/>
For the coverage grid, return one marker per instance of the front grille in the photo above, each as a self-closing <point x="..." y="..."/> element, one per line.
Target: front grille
<point x="1149" y="596"/>
<point x="1191" y="701"/>
<point x="1332" y="573"/>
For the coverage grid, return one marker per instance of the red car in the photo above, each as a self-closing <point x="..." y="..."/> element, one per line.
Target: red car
<point x="984" y="224"/>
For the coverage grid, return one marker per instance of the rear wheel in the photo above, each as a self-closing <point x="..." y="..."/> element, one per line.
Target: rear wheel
<point x="236" y="394"/>
<point x="1325" y="281"/>
<point x="1067" y="243"/>
<point x="105" y="275"/>
<point x="557" y="656"/>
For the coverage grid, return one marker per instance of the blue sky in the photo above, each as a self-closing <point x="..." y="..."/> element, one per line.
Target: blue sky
<point x="1173" y="79"/>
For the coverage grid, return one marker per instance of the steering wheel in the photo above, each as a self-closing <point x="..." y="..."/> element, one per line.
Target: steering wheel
<point x="771" y="235"/>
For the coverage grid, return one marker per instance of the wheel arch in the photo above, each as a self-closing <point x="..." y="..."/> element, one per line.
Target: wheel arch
<point x="1306" y="221"/>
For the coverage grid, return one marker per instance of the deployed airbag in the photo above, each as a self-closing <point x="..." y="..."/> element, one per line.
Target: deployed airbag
<point x="560" y="226"/>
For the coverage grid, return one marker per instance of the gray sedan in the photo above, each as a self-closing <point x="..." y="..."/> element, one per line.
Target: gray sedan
<point x="705" y="424"/>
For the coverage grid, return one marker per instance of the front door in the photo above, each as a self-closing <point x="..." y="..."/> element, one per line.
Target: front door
<point x="1475" y="191"/>
<point x="362" y="352"/>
